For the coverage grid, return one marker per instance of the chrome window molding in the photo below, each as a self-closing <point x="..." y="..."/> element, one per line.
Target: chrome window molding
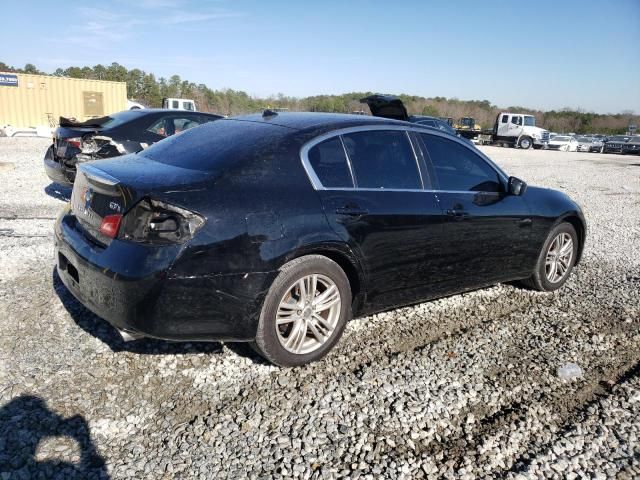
<point x="317" y="184"/>
<point x="346" y="155"/>
<point x="415" y="158"/>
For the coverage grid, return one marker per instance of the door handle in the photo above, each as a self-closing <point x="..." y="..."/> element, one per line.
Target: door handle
<point x="457" y="214"/>
<point x="525" y="222"/>
<point x="352" y="211"/>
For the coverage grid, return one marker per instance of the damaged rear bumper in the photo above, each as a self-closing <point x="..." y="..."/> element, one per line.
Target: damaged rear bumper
<point x="133" y="288"/>
<point x="57" y="171"/>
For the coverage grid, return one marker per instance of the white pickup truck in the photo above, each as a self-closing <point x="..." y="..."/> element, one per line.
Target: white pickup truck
<point x="179" y="104"/>
<point x="519" y="129"/>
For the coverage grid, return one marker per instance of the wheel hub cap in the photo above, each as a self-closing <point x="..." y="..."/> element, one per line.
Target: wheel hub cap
<point x="308" y="314"/>
<point x="558" y="258"/>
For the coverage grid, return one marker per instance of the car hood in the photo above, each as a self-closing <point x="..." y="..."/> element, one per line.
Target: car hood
<point x="386" y="106"/>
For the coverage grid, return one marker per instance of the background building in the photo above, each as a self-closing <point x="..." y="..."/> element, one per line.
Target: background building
<point x="39" y="100"/>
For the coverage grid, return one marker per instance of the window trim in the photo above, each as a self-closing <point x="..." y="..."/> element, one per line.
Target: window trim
<point x="502" y="176"/>
<point x="317" y="184"/>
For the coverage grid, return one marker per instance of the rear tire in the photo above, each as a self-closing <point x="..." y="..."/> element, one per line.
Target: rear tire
<point x="556" y="259"/>
<point x="296" y="326"/>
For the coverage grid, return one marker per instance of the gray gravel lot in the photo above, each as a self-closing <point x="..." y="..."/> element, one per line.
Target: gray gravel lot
<point x="463" y="387"/>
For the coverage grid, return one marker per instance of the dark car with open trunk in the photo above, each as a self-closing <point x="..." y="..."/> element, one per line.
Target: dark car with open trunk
<point x="278" y="228"/>
<point x="111" y="136"/>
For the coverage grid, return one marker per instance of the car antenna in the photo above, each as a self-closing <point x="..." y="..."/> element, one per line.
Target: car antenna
<point x="268" y="113"/>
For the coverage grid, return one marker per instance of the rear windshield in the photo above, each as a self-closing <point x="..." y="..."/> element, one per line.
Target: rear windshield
<point x="217" y="144"/>
<point x="111" y="121"/>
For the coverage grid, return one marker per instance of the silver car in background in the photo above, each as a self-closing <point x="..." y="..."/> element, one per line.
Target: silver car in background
<point x="589" y="144"/>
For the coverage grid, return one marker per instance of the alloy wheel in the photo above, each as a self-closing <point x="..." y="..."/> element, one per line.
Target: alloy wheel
<point x="559" y="256"/>
<point x="308" y="314"/>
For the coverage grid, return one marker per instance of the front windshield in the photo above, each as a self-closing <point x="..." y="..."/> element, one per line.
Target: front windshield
<point x="529" y="121"/>
<point x="584" y="139"/>
<point x="561" y="139"/>
<point x="619" y="139"/>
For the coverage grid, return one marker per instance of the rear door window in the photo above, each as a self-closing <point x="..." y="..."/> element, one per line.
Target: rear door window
<point x="170" y="125"/>
<point x="382" y="159"/>
<point x="330" y="164"/>
<point x="458" y="168"/>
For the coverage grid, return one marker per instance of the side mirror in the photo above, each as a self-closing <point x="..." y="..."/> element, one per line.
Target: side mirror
<point x="516" y="186"/>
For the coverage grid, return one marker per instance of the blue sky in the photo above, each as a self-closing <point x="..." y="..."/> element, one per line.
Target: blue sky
<point x="539" y="54"/>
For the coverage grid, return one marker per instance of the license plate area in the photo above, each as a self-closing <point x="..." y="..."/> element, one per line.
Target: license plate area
<point x="67" y="266"/>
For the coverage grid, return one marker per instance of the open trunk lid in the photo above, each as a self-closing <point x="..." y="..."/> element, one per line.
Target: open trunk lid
<point x="386" y="106"/>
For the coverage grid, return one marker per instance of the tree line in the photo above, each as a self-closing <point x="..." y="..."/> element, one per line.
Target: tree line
<point x="149" y="90"/>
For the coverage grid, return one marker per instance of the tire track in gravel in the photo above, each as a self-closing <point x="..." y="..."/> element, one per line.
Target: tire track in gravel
<point x="574" y="416"/>
<point x="562" y="407"/>
<point x="491" y="421"/>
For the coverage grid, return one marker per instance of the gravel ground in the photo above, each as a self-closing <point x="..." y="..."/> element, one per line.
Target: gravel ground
<point x="463" y="387"/>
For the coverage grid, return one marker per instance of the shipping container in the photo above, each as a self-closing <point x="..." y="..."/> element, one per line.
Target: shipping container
<point x="39" y="100"/>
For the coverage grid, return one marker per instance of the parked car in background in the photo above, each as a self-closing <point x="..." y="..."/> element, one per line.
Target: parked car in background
<point x="632" y="147"/>
<point x="563" y="143"/>
<point x="133" y="105"/>
<point x="118" y="134"/>
<point x="615" y="144"/>
<point x="589" y="144"/>
<point x="277" y="229"/>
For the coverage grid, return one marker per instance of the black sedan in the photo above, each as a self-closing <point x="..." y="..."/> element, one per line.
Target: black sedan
<point x="111" y="136"/>
<point x="631" y="147"/>
<point x="615" y="144"/>
<point x="278" y="228"/>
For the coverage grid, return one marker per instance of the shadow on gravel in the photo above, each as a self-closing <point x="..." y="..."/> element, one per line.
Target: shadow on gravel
<point x="102" y="330"/>
<point x="25" y="422"/>
<point x="59" y="192"/>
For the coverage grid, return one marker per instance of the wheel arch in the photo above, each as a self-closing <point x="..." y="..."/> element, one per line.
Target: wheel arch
<point x="344" y="257"/>
<point x="581" y="229"/>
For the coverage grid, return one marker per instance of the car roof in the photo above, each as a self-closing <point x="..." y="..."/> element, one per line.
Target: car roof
<point x="320" y="121"/>
<point x="417" y="118"/>
<point x="147" y="111"/>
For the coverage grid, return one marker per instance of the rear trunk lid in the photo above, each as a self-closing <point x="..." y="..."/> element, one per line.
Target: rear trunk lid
<point x="112" y="187"/>
<point x="386" y="106"/>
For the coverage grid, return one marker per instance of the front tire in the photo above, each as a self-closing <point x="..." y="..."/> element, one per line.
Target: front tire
<point x="304" y="312"/>
<point x="525" y="143"/>
<point x="556" y="260"/>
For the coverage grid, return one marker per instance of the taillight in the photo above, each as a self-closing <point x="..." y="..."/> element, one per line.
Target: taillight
<point x="74" y="142"/>
<point x="110" y="225"/>
<point x="151" y="221"/>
